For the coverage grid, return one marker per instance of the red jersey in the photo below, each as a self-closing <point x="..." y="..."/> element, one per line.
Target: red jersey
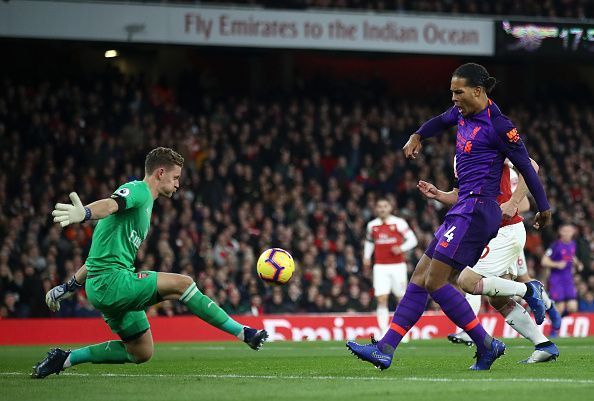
<point x="506" y="193"/>
<point x="382" y="236"/>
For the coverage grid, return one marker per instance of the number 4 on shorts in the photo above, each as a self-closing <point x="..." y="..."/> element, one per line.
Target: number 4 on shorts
<point x="450" y="234"/>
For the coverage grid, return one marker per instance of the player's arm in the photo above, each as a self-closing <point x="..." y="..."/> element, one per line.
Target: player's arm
<point x="102" y="208"/>
<point x="433" y="127"/>
<point x="67" y="214"/>
<point x="66" y="290"/>
<point x="368" y="247"/>
<point x="552" y="264"/>
<point x="546" y="261"/>
<point x="524" y="205"/>
<point x="518" y="201"/>
<point x="430" y="191"/>
<point x="510" y="144"/>
<point x="410" y="239"/>
<point x="578" y="264"/>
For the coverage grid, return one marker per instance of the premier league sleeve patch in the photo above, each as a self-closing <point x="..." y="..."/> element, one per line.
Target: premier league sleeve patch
<point x="123" y="192"/>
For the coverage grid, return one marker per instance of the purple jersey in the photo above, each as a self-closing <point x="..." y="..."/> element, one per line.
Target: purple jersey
<point x="483" y="141"/>
<point x="560" y="251"/>
<point x="561" y="286"/>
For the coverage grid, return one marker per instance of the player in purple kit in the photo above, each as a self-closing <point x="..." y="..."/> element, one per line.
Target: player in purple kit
<point x="560" y="258"/>
<point x="485" y="138"/>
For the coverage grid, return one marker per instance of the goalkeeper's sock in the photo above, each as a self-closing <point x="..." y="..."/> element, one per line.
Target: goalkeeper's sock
<point x="107" y="352"/>
<point x="207" y="310"/>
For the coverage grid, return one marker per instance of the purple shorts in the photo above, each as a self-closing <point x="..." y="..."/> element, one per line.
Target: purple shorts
<point x="467" y="229"/>
<point x="562" y="289"/>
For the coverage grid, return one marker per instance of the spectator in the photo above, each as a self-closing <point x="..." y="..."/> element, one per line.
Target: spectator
<point x="262" y="172"/>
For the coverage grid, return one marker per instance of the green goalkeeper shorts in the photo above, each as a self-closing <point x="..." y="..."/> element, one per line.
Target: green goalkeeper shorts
<point x="122" y="296"/>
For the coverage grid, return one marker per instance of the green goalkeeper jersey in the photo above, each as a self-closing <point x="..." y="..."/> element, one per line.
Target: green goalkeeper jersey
<point x="116" y="238"/>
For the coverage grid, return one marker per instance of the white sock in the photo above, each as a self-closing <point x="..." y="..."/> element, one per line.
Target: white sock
<point x="67" y="363"/>
<point x="499" y="287"/>
<point x="547" y="301"/>
<point x="383" y="316"/>
<point x="475" y="304"/>
<point x="406" y="338"/>
<point x="240" y="335"/>
<point x="521" y="322"/>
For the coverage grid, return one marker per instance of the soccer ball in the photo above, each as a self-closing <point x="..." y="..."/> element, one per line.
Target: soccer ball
<point x="275" y="266"/>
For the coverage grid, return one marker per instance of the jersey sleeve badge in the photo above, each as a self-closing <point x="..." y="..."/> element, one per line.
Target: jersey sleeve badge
<point x="513" y="135"/>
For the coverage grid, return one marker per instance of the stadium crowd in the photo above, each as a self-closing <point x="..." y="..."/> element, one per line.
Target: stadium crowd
<point x="297" y="172"/>
<point x="580" y="9"/>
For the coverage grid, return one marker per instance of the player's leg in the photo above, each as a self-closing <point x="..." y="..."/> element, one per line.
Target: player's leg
<point x="502" y="253"/>
<point x="135" y="346"/>
<point x="383" y="314"/>
<point x="461" y="337"/>
<point x="571" y="305"/>
<point x="399" y="282"/>
<point x="123" y="304"/>
<point x="461" y="243"/>
<point x="519" y="319"/>
<point x="409" y="310"/>
<point x="495" y="260"/>
<point x="550" y="306"/>
<point x="57" y="359"/>
<point x="173" y="286"/>
<point x="524" y="277"/>
<point x="453" y="304"/>
<point x="141" y="348"/>
<point x="557" y="292"/>
<point x="548" y="302"/>
<point x="381" y="288"/>
<point x="120" y="296"/>
<point x="474" y="283"/>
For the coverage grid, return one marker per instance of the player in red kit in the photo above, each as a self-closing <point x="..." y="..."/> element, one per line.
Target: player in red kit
<point x="388" y="238"/>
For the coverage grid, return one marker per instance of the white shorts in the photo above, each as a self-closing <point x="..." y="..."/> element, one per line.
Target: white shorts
<point x="390" y="278"/>
<point x="521" y="264"/>
<point x="501" y="254"/>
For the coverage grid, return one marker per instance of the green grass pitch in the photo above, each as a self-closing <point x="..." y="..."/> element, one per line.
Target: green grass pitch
<point x="422" y="370"/>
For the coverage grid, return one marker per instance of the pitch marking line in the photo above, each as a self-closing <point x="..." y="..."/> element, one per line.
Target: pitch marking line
<point x="259" y="377"/>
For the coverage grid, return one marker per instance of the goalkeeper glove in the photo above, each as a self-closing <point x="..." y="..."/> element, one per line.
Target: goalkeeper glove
<point x="60" y="293"/>
<point x="66" y="214"/>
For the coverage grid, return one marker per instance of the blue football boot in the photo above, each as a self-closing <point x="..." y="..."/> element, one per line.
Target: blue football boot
<point x="371" y="354"/>
<point x="543" y="354"/>
<point x="535" y="300"/>
<point x="484" y="361"/>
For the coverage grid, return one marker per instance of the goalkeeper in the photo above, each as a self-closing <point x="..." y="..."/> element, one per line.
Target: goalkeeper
<point x="108" y="274"/>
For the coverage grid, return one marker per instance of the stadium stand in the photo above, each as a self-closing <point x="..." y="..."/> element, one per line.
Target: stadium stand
<point x="578" y="9"/>
<point x="300" y="172"/>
